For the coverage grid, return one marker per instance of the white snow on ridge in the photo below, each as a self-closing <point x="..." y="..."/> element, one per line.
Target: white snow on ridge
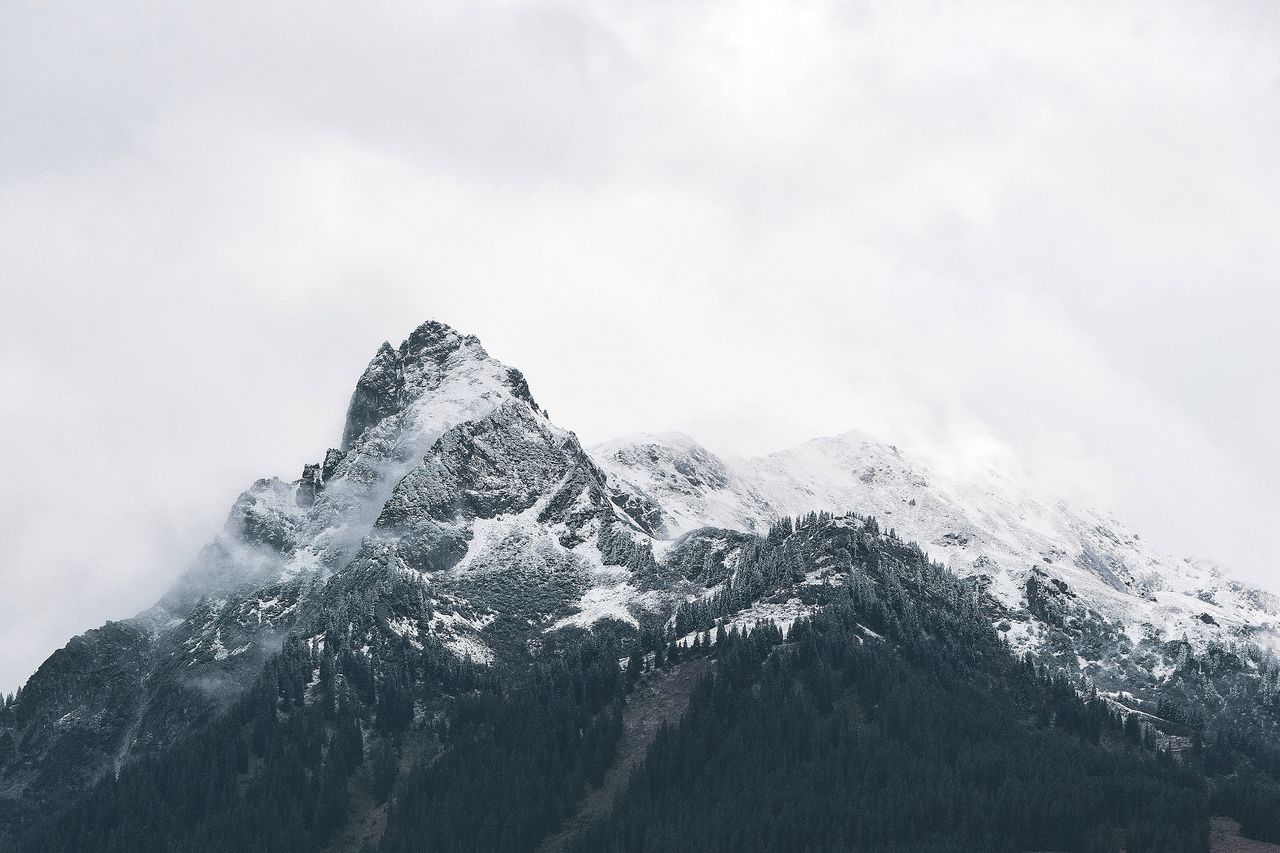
<point x="973" y="524"/>
<point x="694" y="487"/>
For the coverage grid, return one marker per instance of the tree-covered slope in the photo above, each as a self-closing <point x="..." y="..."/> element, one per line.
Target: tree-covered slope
<point x="894" y="718"/>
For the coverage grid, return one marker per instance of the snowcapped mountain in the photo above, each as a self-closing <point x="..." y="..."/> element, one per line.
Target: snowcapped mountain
<point x="407" y="398"/>
<point x="1059" y="573"/>
<point x="457" y="521"/>
<point x="453" y="509"/>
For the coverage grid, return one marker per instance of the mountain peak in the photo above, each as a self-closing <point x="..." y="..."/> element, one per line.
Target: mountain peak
<point x="438" y="340"/>
<point x="398" y="377"/>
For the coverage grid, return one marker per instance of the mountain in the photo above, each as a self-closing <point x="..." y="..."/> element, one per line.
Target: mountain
<point x="439" y="611"/>
<point x="452" y="508"/>
<point x="1070" y="583"/>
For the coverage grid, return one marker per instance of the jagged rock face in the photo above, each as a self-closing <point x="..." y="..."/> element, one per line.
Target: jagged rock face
<point x="379" y="394"/>
<point x="407" y="398"/>
<point x="505" y="519"/>
<point x="397" y="378"/>
<point x="502" y="464"/>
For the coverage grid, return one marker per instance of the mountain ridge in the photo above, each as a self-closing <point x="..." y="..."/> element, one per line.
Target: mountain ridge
<point x="457" y="521"/>
<point x="980" y="527"/>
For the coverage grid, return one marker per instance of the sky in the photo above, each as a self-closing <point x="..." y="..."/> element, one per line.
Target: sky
<point x="1042" y="234"/>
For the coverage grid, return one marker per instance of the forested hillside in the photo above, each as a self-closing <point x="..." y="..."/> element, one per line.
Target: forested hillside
<point x="432" y="641"/>
<point x="895" y="718"/>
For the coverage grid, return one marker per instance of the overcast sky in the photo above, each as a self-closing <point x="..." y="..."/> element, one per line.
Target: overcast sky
<point x="1044" y="232"/>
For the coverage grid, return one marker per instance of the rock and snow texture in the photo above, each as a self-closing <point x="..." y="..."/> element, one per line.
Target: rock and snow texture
<point x="449" y="478"/>
<point x="1046" y="560"/>
<point x="407" y="398"/>
<point x="455" y="513"/>
<point x="450" y="473"/>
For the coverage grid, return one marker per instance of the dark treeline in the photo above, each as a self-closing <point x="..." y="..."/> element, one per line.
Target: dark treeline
<point x="323" y="723"/>
<point x="276" y="772"/>
<point x="517" y="763"/>
<point x="837" y="742"/>
<point x="1243" y="770"/>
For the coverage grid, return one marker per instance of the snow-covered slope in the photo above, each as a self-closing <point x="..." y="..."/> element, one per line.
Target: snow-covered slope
<point x="1048" y="562"/>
